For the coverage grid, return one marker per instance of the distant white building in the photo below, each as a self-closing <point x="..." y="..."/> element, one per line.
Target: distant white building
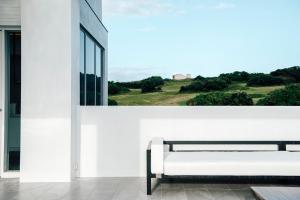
<point x="181" y="77"/>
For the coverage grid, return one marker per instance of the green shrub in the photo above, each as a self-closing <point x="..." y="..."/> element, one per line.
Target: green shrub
<point x="130" y="85"/>
<point x="114" y="88"/>
<point x="207" y="99"/>
<point x="290" y="75"/>
<point x="215" y="84"/>
<point x="289" y="96"/>
<point x="221" y="99"/>
<point x="205" y="86"/>
<point x="194" y="86"/>
<point x="239" y="99"/>
<point x="236" y="76"/>
<point x="199" y="78"/>
<point x="152" y="84"/>
<point x="112" y="102"/>
<point x="264" y="80"/>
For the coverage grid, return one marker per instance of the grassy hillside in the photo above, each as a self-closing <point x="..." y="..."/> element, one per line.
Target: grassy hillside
<point x="170" y="94"/>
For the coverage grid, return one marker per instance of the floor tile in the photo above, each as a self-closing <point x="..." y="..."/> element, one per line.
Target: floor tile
<point x="120" y="189"/>
<point x="198" y="194"/>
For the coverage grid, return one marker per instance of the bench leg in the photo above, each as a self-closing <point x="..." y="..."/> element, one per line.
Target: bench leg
<point x="149" y="192"/>
<point x="149" y="175"/>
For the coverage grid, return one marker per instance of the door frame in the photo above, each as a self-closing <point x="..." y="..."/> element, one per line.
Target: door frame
<point x="3" y="62"/>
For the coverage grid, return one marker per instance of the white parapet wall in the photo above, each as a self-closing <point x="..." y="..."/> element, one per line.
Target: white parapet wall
<point x="113" y="140"/>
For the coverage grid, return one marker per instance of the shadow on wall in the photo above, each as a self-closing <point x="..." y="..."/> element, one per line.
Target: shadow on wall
<point x="114" y="139"/>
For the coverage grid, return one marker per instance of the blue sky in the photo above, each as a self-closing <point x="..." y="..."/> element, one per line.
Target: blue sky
<point x="200" y="37"/>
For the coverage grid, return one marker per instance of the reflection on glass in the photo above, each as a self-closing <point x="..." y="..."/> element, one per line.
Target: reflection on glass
<point x="90" y="72"/>
<point x="15" y="73"/>
<point x="14" y="105"/>
<point x="82" y="76"/>
<point x="91" y="61"/>
<point x="98" y="74"/>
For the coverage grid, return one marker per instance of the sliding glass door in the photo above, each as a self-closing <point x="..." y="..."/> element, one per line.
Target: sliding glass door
<point x="12" y="100"/>
<point x="1" y="95"/>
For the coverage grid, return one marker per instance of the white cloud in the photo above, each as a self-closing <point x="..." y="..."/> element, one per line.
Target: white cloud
<point x="224" y="6"/>
<point x="136" y="7"/>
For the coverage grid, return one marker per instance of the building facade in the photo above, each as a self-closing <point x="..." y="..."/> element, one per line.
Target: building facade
<point x="53" y="60"/>
<point x="181" y="77"/>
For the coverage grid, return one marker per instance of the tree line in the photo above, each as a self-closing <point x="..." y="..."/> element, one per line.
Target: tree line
<point x="217" y="85"/>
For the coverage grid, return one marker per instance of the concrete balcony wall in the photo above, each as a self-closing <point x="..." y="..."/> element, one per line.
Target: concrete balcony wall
<point x="114" y="139"/>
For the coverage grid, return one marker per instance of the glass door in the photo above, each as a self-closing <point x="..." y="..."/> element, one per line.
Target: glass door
<point x="12" y="100"/>
<point x="1" y="99"/>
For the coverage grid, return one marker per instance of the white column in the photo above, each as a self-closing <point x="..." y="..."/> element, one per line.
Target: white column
<point x="50" y="49"/>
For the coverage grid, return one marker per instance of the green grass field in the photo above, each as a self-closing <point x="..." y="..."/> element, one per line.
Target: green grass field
<point x="170" y="96"/>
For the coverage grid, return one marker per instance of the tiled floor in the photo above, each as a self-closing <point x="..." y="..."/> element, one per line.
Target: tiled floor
<point x="119" y="189"/>
<point x="277" y="193"/>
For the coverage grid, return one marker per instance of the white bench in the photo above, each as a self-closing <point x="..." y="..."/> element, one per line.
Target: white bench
<point x="275" y="164"/>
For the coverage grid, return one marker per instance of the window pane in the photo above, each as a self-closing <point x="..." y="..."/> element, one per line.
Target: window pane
<point x="13" y="88"/>
<point x="82" y="76"/>
<point x="98" y="75"/>
<point x="90" y="72"/>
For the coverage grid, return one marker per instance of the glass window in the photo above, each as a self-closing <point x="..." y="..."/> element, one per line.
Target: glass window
<point x="98" y="74"/>
<point x="91" y="61"/>
<point x="13" y="92"/>
<point x="82" y="68"/>
<point x="90" y="72"/>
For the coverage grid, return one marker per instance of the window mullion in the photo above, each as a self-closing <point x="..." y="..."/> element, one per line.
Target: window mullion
<point x="84" y="49"/>
<point x="102" y="73"/>
<point x="95" y="75"/>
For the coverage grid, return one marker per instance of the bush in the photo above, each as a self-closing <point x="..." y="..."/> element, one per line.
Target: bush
<point x="221" y="99"/>
<point x="289" y="96"/>
<point x="152" y="84"/>
<point x="239" y="99"/>
<point x="227" y="80"/>
<point x="257" y="95"/>
<point x="193" y="87"/>
<point x="199" y="78"/>
<point x="264" y="80"/>
<point x="207" y="99"/>
<point x="236" y="76"/>
<point x="130" y="85"/>
<point x="114" y="88"/>
<point x="215" y="84"/>
<point x="112" y="102"/>
<point x="290" y="75"/>
<point x="205" y="86"/>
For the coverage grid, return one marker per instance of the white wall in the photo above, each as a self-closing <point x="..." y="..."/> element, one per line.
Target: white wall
<point x="50" y="41"/>
<point x="75" y="56"/>
<point x="114" y="139"/>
